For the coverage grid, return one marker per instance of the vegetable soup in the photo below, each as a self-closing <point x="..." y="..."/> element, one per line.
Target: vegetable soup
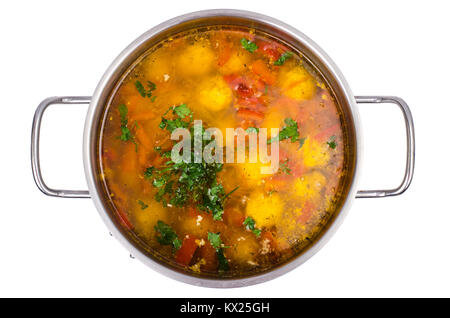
<point x="223" y="219"/>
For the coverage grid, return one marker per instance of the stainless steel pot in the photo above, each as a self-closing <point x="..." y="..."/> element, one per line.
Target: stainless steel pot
<point x="213" y="17"/>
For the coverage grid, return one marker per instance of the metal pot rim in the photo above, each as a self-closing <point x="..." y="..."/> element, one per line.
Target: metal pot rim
<point x="89" y="151"/>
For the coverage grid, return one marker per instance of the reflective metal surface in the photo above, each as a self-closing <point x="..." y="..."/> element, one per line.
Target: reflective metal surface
<point x="35" y="136"/>
<point x="410" y="146"/>
<point x="262" y="23"/>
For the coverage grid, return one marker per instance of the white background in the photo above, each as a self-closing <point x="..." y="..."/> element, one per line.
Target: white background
<point x="395" y="246"/>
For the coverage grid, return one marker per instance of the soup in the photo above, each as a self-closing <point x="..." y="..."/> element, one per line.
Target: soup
<point x="223" y="219"/>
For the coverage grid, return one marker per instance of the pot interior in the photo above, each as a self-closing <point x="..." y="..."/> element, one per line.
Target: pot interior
<point x="138" y="50"/>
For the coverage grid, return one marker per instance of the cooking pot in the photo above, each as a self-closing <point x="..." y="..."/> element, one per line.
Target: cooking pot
<point x="280" y="30"/>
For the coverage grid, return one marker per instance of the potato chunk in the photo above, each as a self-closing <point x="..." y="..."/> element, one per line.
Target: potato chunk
<point x="145" y="220"/>
<point x="245" y="250"/>
<point x="195" y="60"/>
<point x="297" y="83"/>
<point x="266" y="210"/>
<point x="310" y="185"/>
<point x="237" y="63"/>
<point x="214" y="94"/>
<point x="315" y="153"/>
<point x="158" y="67"/>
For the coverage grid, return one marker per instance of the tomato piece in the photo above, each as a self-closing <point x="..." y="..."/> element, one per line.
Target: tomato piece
<point x="269" y="50"/>
<point x="244" y="90"/>
<point x="184" y="255"/>
<point x="259" y="67"/>
<point x="250" y="114"/>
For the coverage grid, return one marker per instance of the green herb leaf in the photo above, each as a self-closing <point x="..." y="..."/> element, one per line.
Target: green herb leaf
<point x="301" y="142"/>
<point x="249" y="223"/>
<point x="284" y="167"/>
<point x="214" y="239"/>
<point x="126" y="133"/>
<point x="290" y="130"/>
<point x="149" y="172"/>
<point x="142" y="204"/>
<point x="158" y="183"/>
<point x="146" y="92"/>
<point x="249" y="45"/>
<point x="223" y="262"/>
<point x="283" y="58"/>
<point x="216" y="242"/>
<point x="166" y="235"/>
<point x="257" y="232"/>
<point x="252" y="130"/>
<point x="182" y="110"/>
<point x="183" y="183"/>
<point x="123" y="111"/>
<point x="332" y="142"/>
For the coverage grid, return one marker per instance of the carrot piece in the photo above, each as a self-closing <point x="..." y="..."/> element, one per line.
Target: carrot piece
<point x="143" y="137"/>
<point x="224" y="53"/>
<point x="249" y="114"/>
<point x="129" y="157"/>
<point x="233" y="217"/>
<point x="184" y="255"/>
<point x="260" y="68"/>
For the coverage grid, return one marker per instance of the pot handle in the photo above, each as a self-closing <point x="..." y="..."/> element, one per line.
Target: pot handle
<point x="35" y="159"/>
<point x="410" y="146"/>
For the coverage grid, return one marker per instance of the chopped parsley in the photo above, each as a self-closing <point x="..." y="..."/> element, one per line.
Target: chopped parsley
<point x="332" y="142"/>
<point x="166" y="235"/>
<point x="252" y="130"/>
<point x="284" y="167"/>
<point x="290" y="130"/>
<point x="181" y="112"/>
<point x="250" y="225"/>
<point x="216" y="242"/>
<point x="283" y="58"/>
<point x="126" y="133"/>
<point x="142" y="204"/>
<point x="185" y="183"/>
<point x="149" y="172"/>
<point x="249" y="45"/>
<point x="301" y="142"/>
<point x="146" y="92"/>
<point x="214" y="239"/>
